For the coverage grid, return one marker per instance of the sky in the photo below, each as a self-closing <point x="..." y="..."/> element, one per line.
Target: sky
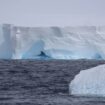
<point x="52" y="12"/>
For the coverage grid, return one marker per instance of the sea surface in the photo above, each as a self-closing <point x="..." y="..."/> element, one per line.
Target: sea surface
<point x="43" y="82"/>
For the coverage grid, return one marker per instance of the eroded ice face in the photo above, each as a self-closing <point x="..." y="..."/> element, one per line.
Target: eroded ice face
<point x="84" y="42"/>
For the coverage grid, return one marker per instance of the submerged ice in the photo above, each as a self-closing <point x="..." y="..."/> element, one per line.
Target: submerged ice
<point x="89" y="82"/>
<point x="84" y="42"/>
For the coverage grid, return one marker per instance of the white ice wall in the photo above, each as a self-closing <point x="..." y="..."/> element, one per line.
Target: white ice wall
<point x="6" y="49"/>
<point x="58" y="43"/>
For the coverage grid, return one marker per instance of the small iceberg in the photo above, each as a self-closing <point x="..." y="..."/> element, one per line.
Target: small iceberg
<point x="90" y="82"/>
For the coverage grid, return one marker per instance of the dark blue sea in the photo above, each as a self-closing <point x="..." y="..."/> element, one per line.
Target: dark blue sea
<point x="43" y="82"/>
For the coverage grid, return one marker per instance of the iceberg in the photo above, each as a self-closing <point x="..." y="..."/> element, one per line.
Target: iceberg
<point x="89" y="82"/>
<point x="82" y="42"/>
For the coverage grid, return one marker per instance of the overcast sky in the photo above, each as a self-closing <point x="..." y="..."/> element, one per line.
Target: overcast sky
<point x="52" y="12"/>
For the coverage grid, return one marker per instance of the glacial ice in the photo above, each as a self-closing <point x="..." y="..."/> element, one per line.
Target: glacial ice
<point x="89" y="82"/>
<point x="6" y="49"/>
<point x="82" y="42"/>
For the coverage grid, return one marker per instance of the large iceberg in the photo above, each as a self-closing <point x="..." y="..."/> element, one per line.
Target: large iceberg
<point x="82" y="42"/>
<point x="89" y="82"/>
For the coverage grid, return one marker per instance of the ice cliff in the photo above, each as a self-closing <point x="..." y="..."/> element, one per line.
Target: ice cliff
<point x="89" y="82"/>
<point x="54" y="42"/>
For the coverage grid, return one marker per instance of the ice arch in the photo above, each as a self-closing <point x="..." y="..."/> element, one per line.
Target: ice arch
<point x="34" y="50"/>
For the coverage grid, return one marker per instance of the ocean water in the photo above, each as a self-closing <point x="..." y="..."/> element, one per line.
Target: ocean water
<point x="43" y="82"/>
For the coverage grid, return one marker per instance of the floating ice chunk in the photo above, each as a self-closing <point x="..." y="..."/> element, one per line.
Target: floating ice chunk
<point x="89" y="82"/>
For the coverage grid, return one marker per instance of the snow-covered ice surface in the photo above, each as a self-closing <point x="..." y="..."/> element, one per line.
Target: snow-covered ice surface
<point x="90" y="82"/>
<point x="55" y="42"/>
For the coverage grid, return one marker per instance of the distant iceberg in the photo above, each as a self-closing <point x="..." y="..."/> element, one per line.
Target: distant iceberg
<point x="89" y="82"/>
<point x="82" y="42"/>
